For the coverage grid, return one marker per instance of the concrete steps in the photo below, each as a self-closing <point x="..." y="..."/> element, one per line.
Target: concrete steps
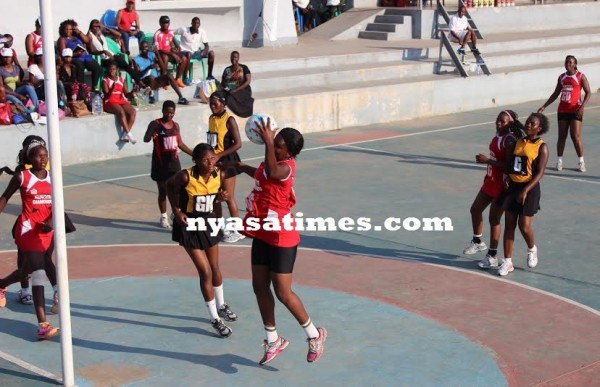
<point x="388" y="26"/>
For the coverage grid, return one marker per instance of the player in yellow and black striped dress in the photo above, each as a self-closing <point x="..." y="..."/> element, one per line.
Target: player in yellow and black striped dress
<point x="193" y="193"/>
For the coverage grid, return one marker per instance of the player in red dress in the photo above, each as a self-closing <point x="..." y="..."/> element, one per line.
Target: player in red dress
<point x="33" y="232"/>
<point x="508" y="130"/>
<point x="270" y="222"/>
<point x="570" y="109"/>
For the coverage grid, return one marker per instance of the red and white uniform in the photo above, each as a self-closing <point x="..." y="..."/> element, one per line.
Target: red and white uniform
<point x="493" y="183"/>
<point x="164" y="40"/>
<point x="37" y="43"/>
<point x="570" y="95"/>
<point x="274" y="199"/>
<point x="116" y="96"/>
<point x="36" y="195"/>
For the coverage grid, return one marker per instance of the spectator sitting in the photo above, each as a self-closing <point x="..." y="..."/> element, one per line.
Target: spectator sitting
<point x="8" y="44"/>
<point x="16" y="90"/>
<point x="461" y="32"/>
<point x="36" y="78"/>
<point x="128" y="23"/>
<point x="71" y="37"/>
<point x="146" y="64"/>
<point x="115" y="91"/>
<point x="333" y="7"/>
<point x="192" y="38"/>
<point x="33" y="41"/>
<point x="169" y="50"/>
<point x="236" y="82"/>
<point x="67" y="74"/>
<point x="99" y="46"/>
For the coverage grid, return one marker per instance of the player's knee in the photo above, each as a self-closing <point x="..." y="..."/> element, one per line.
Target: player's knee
<point x="38" y="277"/>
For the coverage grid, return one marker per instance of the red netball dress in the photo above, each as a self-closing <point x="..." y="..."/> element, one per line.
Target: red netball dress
<point x="36" y="195"/>
<point x="493" y="183"/>
<point x="269" y="202"/>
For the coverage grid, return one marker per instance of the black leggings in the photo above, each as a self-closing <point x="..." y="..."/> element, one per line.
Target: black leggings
<point x="279" y="259"/>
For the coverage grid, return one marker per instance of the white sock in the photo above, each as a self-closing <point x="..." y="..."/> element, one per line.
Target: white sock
<point x="508" y="260"/>
<point x="560" y="159"/>
<point x="219" y="297"/>
<point x="25" y="290"/>
<point x="533" y="249"/>
<point x="212" y="310"/>
<point x="581" y="159"/>
<point x="310" y="329"/>
<point x="271" y="333"/>
<point x="163" y="215"/>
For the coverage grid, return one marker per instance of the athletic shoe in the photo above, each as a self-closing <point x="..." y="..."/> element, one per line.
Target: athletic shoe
<point x="183" y="101"/>
<point x="131" y="138"/>
<point x="506" y="268"/>
<point x="151" y="100"/>
<point x="488" y="262"/>
<point x="187" y="82"/>
<point x="461" y="51"/>
<point x="559" y="165"/>
<point x="46" y="331"/>
<point x="226" y="312"/>
<point x="222" y="329"/>
<point x="180" y="83"/>
<point x="473" y="248"/>
<point x="232" y="237"/>
<point x="164" y="222"/>
<point x="316" y="346"/>
<point x="124" y="137"/>
<point x="54" y="308"/>
<point x="581" y="167"/>
<point x="272" y="350"/>
<point x="24" y="297"/>
<point x="2" y="297"/>
<point x="532" y="259"/>
<point x="475" y="51"/>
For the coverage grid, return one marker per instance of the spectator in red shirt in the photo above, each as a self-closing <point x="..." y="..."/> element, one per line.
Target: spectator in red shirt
<point x="33" y="41"/>
<point x="128" y="23"/>
<point x="169" y="50"/>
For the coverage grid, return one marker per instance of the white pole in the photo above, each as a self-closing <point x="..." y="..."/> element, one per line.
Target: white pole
<point x="58" y="207"/>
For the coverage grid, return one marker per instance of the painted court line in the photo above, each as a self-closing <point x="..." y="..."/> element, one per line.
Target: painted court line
<point x="29" y="367"/>
<point x="426" y="132"/>
<point x="482" y="166"/>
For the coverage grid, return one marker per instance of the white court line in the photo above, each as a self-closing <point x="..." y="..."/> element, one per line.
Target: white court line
<point x="29" y="367"/>
<point x="469" y="164"/>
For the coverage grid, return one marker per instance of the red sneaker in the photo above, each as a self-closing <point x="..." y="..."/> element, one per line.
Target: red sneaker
<point x="316" y="346"/>
<point x="272" y="350"/>
<point x="46" y="331"/>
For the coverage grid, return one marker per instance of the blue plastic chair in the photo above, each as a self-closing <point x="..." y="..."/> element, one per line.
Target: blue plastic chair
<point x="300" y="19"/>
<point x="109" y="18"/>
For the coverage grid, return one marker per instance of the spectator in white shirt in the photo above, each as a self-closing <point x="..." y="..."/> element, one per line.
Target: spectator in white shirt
<point x="461" y="32"/>
<point x="194" y="45"/>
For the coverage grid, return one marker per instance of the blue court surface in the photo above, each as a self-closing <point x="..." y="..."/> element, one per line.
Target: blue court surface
<point x="402" y="307"/>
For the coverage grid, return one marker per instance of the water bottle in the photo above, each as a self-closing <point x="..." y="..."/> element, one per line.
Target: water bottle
<point x="478" y="70"/>
<point x="97" y="105"/>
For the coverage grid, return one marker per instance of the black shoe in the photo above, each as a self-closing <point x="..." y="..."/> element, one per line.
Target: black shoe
<point x="475" y="51"/>
<point x="151" y="100"/>
<point x="183" y="101"/>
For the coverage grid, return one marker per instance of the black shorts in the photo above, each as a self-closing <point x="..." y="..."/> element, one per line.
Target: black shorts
<point x="196" y="240"/>
<point x="161" y="174"/>
<point x="279" y="259"/>
<point x="532" y="201"/>
<point x="568" y="117"/>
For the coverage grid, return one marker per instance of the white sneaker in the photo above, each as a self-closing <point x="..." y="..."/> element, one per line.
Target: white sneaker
<point x="532" y="259"/>
<point x="506" y="268"/>
<point x="164" y="222"/>
<point x="488" y="262"/>
<point x="232" y="237"/>
<point x="124" y="137"/>
<point x="131" y="138"/>
<point x="559" y="165"/>
<point x="581" y="167"/>
<point x="473" y="248"/>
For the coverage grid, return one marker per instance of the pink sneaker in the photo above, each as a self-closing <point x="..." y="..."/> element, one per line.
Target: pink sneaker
<point x="46" y="331"/>
<point x="272" y="350"/>
<point x="316" y="346"/>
